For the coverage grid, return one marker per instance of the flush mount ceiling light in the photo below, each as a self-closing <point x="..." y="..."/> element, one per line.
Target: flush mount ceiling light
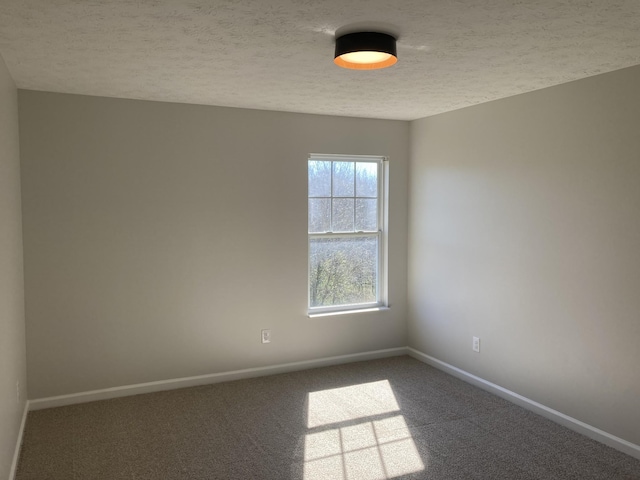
<point x="365" y="51"/>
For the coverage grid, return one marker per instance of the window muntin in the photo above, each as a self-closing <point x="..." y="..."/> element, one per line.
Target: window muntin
<point x="345" y="225"/>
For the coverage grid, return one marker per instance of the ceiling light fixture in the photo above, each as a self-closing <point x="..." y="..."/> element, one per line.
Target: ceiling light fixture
<point x="365" y="51"/>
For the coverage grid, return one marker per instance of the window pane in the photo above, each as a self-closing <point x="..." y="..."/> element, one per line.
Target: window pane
<point x="343" y="271"/>
<point x="343" y="215"/>
<point x="366" y="214"/>
<point x="366" y="179"/>
<point x="343" y="179"/>
<point x="319" y="215"/>
<point x="319" y="179"/>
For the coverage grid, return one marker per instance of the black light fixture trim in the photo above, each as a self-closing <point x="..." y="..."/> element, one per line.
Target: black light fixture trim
<point x="366" y="42"/>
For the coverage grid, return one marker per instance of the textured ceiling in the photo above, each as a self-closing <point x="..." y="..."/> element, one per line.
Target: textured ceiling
<point x="277" y="54"/>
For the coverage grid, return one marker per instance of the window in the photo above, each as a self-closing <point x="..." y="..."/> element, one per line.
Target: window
<point x="347" y="248"/>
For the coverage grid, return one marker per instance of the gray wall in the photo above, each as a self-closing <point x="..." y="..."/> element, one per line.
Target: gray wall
<point x="12" y="340"/>
<point x="161" y="238"/>
<point x="525" y="231"/>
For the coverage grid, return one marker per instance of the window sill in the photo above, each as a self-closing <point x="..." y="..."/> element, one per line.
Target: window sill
<point x="347" y="312"/>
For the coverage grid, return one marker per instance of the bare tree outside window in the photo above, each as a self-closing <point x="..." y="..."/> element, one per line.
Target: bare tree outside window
<point x="344" y="232"/>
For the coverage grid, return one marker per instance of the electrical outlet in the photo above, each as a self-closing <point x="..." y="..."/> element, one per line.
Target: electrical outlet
<point x="266" y="336"/>
<point x="476" y="344"/>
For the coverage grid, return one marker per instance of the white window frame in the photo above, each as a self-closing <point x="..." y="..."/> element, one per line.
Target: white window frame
<point x="382" y="286"/>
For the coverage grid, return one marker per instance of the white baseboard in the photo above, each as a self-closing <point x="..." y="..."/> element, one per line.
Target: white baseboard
<point x="558" y="417"/>
<point x="184" y="382"/>
<point x="16" y="453"/>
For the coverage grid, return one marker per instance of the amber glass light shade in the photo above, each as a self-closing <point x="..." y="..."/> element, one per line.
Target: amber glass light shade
<point x="365" y="51"/>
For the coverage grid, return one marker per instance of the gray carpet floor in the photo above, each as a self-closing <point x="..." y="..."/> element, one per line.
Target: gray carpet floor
<point x="381" y="419"/>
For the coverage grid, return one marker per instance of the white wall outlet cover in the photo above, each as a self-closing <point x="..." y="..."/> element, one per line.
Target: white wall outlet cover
<point x="266" y="336"/>
<point x="476" y="344"/>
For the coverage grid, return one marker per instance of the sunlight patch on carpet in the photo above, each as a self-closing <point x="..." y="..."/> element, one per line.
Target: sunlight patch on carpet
<point x="349" y="403"/>
<point x="358" y="433"/>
